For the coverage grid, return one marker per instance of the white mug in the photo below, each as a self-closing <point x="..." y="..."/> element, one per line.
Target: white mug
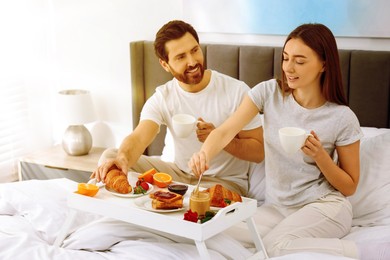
<point x="183" y="125"/>
<point x="292" y="138"/>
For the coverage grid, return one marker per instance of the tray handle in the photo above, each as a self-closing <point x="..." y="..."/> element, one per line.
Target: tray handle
<point x="232" y="208"/>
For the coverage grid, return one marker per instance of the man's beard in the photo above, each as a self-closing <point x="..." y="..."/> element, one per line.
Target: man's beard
<point x="189" y="78"/>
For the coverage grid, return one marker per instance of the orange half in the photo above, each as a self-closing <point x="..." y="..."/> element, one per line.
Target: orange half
<point x="161" y="179"/>
<point x="87" y="189"/>
<point x="148" y="175"/>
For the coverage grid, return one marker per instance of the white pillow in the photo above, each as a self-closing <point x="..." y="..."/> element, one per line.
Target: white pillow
<point x="370" y="132"/>
<point x="371" y="202"/>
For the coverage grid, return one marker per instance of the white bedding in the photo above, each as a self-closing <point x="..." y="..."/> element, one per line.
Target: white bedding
<point x="32" y="213"/>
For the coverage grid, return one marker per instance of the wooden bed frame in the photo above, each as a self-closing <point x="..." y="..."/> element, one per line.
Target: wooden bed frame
<point x="366" y="77"/>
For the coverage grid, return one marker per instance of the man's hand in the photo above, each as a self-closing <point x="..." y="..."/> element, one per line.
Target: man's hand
<point x="130" y="150"/>
<point x="101" y="172"/>
<point x="203" y="129"/>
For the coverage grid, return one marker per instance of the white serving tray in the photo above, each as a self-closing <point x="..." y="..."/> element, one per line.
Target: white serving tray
<point x="109" y="205"/>
<point x="124" y="209"/>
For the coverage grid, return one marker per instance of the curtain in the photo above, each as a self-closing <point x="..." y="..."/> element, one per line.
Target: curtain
<point x="13" y="127"/>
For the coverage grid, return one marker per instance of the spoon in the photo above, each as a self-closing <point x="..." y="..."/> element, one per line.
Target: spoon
<point x="196" y="190"/>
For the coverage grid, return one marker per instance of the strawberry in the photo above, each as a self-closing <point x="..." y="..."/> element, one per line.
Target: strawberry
<point x="144" y="185"/>
<point x="191" y="216"/>
<point x="141" y="186"/>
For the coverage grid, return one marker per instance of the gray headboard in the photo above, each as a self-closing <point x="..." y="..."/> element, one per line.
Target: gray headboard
<point x="366" y="76"/>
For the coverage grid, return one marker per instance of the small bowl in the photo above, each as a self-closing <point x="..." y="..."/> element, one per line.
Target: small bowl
<point x="178" y="188"/>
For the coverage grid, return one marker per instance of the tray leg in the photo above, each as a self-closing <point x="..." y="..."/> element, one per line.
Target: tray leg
<point x="203" y="252"/>
<point x="256" y="236"/>
<point x="65" y="228"/>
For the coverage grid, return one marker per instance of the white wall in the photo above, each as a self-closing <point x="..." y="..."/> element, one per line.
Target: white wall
<point x="54" y="44"/>
<point x="90" y="50"/>
<point x="275" y="40"/>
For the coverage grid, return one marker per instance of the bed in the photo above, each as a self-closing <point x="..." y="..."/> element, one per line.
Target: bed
<point x="32" y="212"/>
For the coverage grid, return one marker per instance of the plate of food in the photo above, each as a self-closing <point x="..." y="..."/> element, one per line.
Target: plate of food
<point x="118" y="183"/>
<point x="162" y="202"/>
<point x="134" y="193"/>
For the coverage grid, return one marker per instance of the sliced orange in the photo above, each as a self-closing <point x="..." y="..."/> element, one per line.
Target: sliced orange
<point x="162" y="179"/>
<point x="87" y="189"/>
<point x="148" y="175"/>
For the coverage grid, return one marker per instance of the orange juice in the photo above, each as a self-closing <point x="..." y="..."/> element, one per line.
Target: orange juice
<point x="200" y="203"/>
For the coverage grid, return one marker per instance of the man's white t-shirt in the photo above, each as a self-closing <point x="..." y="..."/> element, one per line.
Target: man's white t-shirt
<point x="213" y="104"/>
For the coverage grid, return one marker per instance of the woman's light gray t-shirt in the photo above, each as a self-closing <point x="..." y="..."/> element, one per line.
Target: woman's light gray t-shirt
<point x="294" y="180"/>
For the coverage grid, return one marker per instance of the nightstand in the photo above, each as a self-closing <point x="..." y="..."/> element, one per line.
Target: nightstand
<point x="54" y="162"/>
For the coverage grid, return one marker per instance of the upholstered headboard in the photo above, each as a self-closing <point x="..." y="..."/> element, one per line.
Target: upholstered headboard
<point x="366" y="76"/>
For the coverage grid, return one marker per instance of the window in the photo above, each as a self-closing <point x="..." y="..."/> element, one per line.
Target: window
<point x="13" y="126"/>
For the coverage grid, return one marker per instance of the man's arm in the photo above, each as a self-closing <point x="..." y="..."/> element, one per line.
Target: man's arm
<point x="135" y="144"/>
<point x="247" y="145"/>
<point x="130" y="150"/>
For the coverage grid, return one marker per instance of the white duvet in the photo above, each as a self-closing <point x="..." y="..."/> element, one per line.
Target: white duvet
<point x="32" y="213"/>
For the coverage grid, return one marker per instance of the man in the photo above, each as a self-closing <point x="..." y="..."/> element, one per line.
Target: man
<point x="209" y="96"/>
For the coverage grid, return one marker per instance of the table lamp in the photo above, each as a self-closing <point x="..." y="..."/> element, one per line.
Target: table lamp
<point x="76" y="109"/>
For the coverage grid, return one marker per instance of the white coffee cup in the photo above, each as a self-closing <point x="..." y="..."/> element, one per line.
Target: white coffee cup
<point x="292" y="138"/>
<point x="183" y="125"/>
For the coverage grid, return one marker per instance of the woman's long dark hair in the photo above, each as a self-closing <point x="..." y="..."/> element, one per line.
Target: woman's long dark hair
<point x="321" y="40"/>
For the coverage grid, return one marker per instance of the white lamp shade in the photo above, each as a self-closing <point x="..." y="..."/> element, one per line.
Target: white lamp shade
<point x="76" y="107"/>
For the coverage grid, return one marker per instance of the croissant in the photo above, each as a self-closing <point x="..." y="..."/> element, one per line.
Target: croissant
<point x="117" y="181"/>
<point x="222" y="197"/>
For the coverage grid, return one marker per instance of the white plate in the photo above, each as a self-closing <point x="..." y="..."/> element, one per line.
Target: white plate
<point x="146" y="203"/>
<point x="93" y="181"/>
<point x="131" y="194"/>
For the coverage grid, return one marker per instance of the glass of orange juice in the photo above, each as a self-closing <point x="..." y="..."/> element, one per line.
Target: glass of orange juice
<point x="200" y="203"/>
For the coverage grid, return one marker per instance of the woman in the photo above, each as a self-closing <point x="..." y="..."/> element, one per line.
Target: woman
<point x="306" y="207"/>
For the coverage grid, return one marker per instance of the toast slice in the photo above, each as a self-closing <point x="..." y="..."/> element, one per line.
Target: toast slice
<point x="177" y="204"/>
<point x="166" y="200"/>
<point x="165" y="196"/>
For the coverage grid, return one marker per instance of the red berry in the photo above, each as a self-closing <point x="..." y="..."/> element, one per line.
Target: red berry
<point x="144" y="185"/>
<point x="191" y="216"/>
